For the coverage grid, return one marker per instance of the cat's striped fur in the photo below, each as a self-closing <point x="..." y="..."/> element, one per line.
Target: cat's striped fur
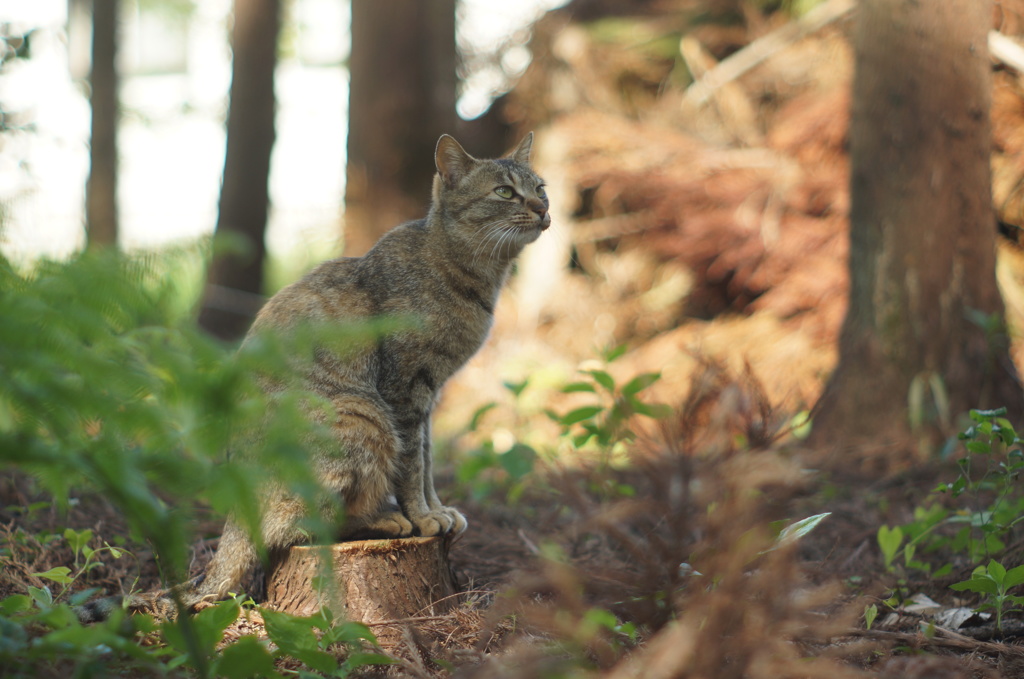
<point x="446" y="271"/>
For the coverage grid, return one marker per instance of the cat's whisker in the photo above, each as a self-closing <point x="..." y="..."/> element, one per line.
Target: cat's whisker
<point x="495" y="232"/>
<point x="488" y="230"/>
<point x="482" y="244"/>
<point x="507" y="236"/>
<point x="511" y="241"/>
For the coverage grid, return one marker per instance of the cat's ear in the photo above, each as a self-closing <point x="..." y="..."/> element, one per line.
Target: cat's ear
<point x="521" y="153"/>
<point x="451" y="160"/>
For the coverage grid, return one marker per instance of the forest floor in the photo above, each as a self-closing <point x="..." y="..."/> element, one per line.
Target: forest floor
<point x="711" y="239"/>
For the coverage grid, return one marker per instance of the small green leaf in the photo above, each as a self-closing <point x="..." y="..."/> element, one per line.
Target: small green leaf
<point x="351" y="633"/>
<point x="800" y="424"/>
<point x="580" y="440"/>
<point x="602" y="378"/>
<point x="979" y="585"/>
<point x="1014" y="577"/>
<point x="516" y="387"/>
<point x="978" y="447"/>
<point x="614" y="353"/>
<point x="580" y="414"/>
<point x="292" y="634"/>
<point x="640" y="382"/>
<point x="208" y="627"/>
<point x="478" y="415"/>
<point x="294" y="637"/>
<point x="801" y="528"/>
<point x="518" y="460"/>
<point x="16" y="603"/>
<point x="59" y="574"/>
<point x="575" y="387"/>
<point x="41" y="595"/>
<point x="1007" y="434"/>
<point x="599" y="617"/>
<point x="889" y="540"/>
<point x="245" y="658"/>
<point x="870" y="613"/>
<point x="77" y="539"/>
<point x="657" y="411"/>
<point x="996" y="571"/>
<point x="629" y="629"/>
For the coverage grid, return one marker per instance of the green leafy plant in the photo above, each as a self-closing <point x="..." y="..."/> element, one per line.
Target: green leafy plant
<point x="990" y="504"/>
<point x="486" y="470"/>
<point x="107" y="387"/>
<point x="66" y="576"/>
<point x="983" y="506"/>
<point x="315" y="640"/>
<point x="606" y="422"/>
<point x="37" y="633"/>
<point x="994" y="582"/>
<point x="602" y="428"/>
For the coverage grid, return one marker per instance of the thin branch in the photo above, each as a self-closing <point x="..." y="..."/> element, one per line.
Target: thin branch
<point x="757" y="52"/>
<point x="1006" y="50"/>
<point x="942" y="638"/>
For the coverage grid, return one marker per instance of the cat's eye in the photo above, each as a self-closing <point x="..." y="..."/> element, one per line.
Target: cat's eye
<point x="541" y="193"/>
<point x="505" y="191"/>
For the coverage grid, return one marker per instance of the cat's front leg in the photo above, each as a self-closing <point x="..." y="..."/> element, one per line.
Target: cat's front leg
<point x="459" y="523"/>
<point x="428" y="516"/>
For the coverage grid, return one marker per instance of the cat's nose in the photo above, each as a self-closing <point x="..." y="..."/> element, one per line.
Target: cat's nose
<point x="538" y="207"/>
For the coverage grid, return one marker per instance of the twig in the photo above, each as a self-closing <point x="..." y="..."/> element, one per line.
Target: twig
<point x="942" y="638"/>
<point x="734" y="66"/>
<point x="403" y="621"/>
<point x="456" y="595"/>
<point x="1001" y="47"/>
<point x="530" y="545"/>
<point x="1006" y="50"/>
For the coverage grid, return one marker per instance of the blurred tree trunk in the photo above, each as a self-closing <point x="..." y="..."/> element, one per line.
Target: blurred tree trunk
<point x="401" y="99"/>
<point x="101" y="186"/>
<point x="235" y="277"/>
<point x="922" y="340"/>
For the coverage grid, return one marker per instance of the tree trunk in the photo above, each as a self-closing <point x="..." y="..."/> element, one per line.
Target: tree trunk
<point x="370" y="581"/>
<point x="401" y="99"/>
<point x="101" y="186"/>
<point x="235" y="277"/>
<point x="918" y="346"/>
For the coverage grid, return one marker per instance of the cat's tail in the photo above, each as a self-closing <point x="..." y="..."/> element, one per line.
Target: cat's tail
<point x="160" y="604"/>
<point x="236" y="558"/>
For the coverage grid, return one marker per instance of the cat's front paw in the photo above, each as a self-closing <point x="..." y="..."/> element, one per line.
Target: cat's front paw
<point x="393" y="524"/>
<point x="440" y="521"/>
<point x="459" y="523"/>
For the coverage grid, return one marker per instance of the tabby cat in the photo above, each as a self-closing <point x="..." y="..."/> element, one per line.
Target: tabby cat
<point x="446" y="271"/>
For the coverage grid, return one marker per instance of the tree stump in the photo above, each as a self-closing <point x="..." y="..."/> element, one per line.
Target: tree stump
<point x="369" y="581"/>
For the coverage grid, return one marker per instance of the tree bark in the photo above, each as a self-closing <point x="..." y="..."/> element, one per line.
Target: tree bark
<point x="918" y="346"/>
<point x="370" y="581"/>
<point x="235" y="277"/>
<point x="401" y="99"/>
<point x="101" y="187"/>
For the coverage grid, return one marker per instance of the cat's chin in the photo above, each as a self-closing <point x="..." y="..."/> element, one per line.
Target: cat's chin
<point x="529" y="235"/>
